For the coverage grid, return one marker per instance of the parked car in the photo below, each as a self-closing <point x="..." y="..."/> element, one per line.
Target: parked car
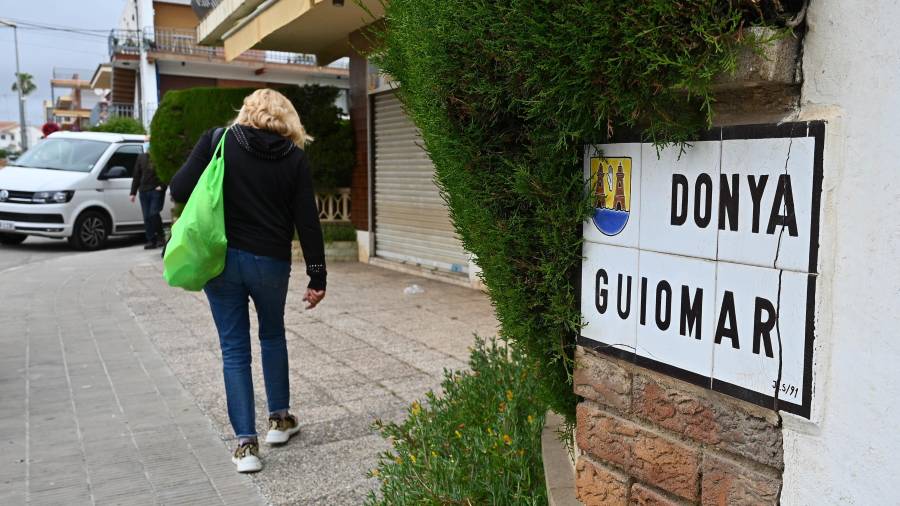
<point x="73" y="185"/>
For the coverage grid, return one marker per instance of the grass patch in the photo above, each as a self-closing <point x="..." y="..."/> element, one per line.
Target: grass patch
<point x="477" y="443"/>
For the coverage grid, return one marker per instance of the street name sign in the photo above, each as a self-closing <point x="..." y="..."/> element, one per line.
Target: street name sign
<point x="701" y="263"/>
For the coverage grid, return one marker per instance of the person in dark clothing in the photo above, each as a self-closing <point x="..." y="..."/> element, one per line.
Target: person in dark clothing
<point x="268" y="195"/>
<point x="152" y="196"/>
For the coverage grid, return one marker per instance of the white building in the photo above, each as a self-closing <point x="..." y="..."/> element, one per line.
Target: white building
<point x="10" y="135"/>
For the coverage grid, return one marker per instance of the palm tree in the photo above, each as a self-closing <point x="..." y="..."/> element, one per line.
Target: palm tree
<point x="27" y="82"/>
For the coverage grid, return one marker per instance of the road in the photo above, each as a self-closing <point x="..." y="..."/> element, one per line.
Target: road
<point x="38" y="249"/>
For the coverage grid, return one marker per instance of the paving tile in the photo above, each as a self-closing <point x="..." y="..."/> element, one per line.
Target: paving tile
<point x="159" y="360"/>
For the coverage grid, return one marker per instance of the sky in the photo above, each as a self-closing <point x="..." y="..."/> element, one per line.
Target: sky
<point x="41" y="50"/>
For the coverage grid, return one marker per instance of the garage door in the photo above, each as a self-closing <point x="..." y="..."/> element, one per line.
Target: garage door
<point x="411" y="221"/>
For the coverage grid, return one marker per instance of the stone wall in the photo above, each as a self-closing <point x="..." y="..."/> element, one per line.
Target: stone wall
<point x="649" y="439"/>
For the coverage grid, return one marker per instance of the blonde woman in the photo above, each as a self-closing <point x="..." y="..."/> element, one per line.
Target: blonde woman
<point x="268" y="194"/>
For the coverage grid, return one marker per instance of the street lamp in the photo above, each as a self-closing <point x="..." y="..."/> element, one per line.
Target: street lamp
<point x="23" y="133"/>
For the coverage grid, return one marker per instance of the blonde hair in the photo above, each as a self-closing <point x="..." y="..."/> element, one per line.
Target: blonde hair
<point x="267" y="109"/>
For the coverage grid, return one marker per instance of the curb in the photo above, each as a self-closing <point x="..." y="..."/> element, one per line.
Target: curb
<point x="559" y="469"/>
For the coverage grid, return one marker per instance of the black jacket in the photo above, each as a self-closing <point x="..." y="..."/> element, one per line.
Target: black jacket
<point x="144" y="178"/>
<point x="268" y="194"/>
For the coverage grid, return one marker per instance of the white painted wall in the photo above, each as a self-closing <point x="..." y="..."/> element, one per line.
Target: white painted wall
<point x="222" y="70"/>
<point x="850" y="451"/>
<point x="149" y="89"/>
<point x="128" y="19"/>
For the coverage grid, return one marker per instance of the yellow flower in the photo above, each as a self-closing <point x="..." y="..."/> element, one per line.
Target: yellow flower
<point x="509" y="395"/>
<point x="489" y="431"/>
<point x="398" y="460"/>
<point x="507" y="439"/>
<point x="376" y="472"/>
<point x="530" y="419"/>
<point x="433" y="453"/>
<point x="416" y="408"/>
<point x="412" y="458"/>
<point x="502" y="407"/>
<point x="458" y="434"/>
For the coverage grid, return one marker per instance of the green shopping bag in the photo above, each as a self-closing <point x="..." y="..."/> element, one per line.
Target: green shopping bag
<point x="196" y="252"/>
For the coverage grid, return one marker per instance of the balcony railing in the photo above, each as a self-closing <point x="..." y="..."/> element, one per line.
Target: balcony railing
<point x="103" y="112"/>
<point x="125" y="42"/>
<point x="121" y="110"/>
<point x="184" y="42"/>
<point x="334" y="207"/>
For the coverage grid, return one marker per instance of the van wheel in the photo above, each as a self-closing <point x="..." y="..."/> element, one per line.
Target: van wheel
<point x="12" y="239"/>
<point x="90" y="232"/>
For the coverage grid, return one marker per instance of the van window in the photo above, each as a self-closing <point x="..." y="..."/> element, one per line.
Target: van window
<point x="125" y="156"/>
<point x="62" y="153"/>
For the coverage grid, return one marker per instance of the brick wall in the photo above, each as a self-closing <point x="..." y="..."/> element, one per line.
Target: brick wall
<point x="650" y="439"/>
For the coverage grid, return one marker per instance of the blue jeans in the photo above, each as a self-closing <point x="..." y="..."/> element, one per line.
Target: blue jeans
<point x="152" y="204"/>
<point x="265" y="280"/>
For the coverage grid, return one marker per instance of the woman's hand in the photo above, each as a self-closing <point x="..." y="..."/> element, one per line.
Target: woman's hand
<point x="313" y="297"/>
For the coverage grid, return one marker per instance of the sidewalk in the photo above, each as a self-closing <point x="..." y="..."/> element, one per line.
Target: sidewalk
<point x="89" y="411"/>
<point x="366" y="352"/>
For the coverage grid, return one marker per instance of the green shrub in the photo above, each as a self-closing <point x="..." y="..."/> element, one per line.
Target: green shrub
<point x="332" y="232"/>
<point x="3" y="154"/>
<point x="183" y="116"/>
<point x="478" y="443"/>
<point x="507" y="93"/>
<point x="120" y="125"/>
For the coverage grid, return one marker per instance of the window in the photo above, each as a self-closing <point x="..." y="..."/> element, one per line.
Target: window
<point x="126" y="156"/>
<point x="63" y="154"/>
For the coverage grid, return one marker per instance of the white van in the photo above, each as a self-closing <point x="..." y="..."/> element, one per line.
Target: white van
<point x="73" y="185"/>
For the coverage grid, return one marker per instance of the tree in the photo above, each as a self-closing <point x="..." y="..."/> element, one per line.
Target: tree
<point x="27" y="82"/>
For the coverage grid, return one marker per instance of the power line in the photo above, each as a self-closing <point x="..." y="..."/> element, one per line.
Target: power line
<point x="56" y="26"/>
<point x="29" y="25"/>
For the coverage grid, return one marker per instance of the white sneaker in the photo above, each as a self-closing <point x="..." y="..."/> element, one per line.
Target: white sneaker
<point x="281" y="429"/>
<point x="246" y="458"/>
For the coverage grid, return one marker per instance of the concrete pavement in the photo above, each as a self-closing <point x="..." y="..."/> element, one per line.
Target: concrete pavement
<point x="89" y="411"/>
<point x="366" y="352"/>
<point x="111" y="389"/>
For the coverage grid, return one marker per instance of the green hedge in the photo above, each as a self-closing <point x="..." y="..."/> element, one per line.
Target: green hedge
<point x="336" y="232"/>
<point x="183" y="115"/>
<point x="508" y="92"/>
<point x="120" y="125"/>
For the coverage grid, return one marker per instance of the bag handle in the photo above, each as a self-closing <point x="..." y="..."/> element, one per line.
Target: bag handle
<point x="218" y="138"/>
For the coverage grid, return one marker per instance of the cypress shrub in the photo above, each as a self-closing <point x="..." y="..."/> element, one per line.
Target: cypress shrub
<point x="507" y="93"/>
<point x="183" y="116"/>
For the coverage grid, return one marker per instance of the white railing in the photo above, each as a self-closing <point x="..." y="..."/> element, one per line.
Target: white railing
<point x="334" y="206"/>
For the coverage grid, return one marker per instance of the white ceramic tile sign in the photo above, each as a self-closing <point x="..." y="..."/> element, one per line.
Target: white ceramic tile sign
<point x="702" y="263"/>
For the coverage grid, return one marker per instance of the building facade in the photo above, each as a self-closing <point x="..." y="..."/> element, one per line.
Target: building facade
<point x="154" y="49"/>
<point x="401" y="218"/>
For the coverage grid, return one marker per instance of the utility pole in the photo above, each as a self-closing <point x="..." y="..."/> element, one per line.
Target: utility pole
<point x="23" y="132"/>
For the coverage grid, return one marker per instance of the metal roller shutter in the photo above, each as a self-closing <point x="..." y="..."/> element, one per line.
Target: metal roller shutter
<point x="411" y="220"/>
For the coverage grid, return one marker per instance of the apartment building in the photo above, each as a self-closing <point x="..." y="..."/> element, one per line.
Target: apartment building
<point x="154" y="49"/>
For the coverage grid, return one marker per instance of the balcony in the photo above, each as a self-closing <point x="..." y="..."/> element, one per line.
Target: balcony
<point x="125" y="42"/>
<point x="159" y="42"/>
